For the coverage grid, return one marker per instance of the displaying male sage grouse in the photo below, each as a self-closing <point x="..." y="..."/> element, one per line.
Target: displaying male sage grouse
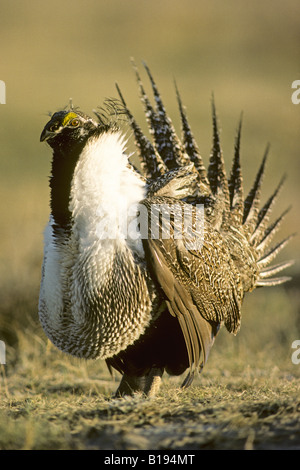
<point x="143" y="269"/>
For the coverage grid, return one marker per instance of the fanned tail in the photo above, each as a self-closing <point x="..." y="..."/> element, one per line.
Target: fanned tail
<point x="235" y="183"/>
<point x="216" y="168"/>
<point x="236" y="213"/>
<point x="171" y="150"/>
<point x="151" y="162"/>
<point x="189" y="142"/>
<point x="265" y="212"/>
<point x="252" y="201"/>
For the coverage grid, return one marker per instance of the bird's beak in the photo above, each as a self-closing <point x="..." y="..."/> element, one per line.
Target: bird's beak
<point x="45" y="135"/>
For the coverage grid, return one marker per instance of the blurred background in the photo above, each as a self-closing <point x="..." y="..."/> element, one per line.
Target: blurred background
<point x="246" y="53"/>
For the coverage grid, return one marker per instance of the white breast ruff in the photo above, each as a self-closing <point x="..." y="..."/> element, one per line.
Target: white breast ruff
<point x="94" y="298"/>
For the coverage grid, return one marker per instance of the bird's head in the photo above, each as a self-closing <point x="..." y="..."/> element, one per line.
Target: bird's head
<point x="68" y="127"/>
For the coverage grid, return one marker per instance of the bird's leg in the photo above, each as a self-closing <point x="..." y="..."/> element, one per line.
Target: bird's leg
<point x="148" y="384"/>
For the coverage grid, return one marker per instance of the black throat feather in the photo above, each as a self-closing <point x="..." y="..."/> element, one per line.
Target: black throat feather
<point x="63" y="166"/>
<point x="66" y="152"/>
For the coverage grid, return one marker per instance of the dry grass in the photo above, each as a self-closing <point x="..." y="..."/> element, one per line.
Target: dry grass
<point x="246" y="398"/>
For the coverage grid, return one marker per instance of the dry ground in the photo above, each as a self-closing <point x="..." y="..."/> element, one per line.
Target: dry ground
<point x="248" y="396"/>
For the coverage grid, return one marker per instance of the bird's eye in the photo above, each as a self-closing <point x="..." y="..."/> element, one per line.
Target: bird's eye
<point x="54" y="127"/>
<point x="75" y="122"/>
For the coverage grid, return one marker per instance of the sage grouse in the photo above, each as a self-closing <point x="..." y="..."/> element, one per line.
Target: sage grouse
<point x="118" y="282"/>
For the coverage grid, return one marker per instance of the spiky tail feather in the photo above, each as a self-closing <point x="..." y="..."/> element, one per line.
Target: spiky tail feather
<point x="169" y="152"/>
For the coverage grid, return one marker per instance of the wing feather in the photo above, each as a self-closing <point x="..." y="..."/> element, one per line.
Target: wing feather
<point x="201" y="287"/>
